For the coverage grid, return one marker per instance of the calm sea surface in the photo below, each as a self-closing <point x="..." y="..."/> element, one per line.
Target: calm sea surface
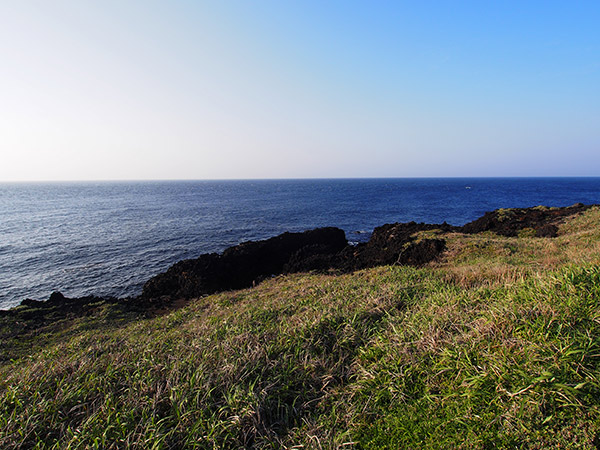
<point x="109" y="238"/>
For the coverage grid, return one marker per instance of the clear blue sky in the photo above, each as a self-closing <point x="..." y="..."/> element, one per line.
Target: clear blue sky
<point x="276" y="89"/>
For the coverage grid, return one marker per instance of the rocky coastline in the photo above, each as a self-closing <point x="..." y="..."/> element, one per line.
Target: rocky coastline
<point x="322" y="249"/>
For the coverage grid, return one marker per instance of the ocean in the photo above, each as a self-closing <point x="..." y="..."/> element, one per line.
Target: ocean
<point x="108" y="238"/>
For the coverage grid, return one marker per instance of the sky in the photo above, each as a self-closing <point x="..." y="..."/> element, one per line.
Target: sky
<point x="143" y="90"/>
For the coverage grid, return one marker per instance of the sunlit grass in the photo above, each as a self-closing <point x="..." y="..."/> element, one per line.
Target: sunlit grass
<point x="495" y="346"/>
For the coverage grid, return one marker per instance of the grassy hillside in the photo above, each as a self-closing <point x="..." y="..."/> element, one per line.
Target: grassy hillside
<point x="496" y="345"/>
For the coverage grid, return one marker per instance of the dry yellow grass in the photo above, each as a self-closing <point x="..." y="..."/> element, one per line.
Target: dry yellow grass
<point x="488" y="259"/>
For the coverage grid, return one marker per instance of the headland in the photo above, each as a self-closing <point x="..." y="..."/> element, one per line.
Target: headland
<point x="428" y="335"/>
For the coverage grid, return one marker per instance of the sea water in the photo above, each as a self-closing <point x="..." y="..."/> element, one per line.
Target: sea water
<point x="108" y="238"/>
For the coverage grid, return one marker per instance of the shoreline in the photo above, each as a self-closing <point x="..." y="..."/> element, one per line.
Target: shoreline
<point x="324" y="250"/>
<point x="108" y="240"/>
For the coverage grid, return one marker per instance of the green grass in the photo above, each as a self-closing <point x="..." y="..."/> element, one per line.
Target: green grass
<point x="495" y="346"/>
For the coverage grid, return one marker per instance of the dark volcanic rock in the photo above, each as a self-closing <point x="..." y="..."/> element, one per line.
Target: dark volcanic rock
<point x="245" y="264"/>
<point x="394" y="244"/>
<point x="55" y="299"/>
<point x="322" y="249"/>
<point x="58" y="306"/>
<point x="58" y="300"/>
<point x="509" y="222"/>
<point x="421" y="252"/>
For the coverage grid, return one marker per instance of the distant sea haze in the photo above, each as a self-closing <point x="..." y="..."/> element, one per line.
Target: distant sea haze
<point x="108" y="238"/>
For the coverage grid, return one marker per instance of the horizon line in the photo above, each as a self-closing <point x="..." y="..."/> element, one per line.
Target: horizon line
<point x="148" y="180"/>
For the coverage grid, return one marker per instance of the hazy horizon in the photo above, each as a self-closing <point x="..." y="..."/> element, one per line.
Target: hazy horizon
<point x="192" y="180"/>
<point x="143" y="91"/>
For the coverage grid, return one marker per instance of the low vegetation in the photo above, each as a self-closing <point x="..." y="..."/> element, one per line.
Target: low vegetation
<point x="495" y="345"/>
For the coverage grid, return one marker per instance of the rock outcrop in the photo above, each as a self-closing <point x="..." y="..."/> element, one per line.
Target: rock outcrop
<point x="321" y="249"/>
<point x="394" y="244"/>
<point x="57" y="307"/>
<point x="246" y="264"/>
<point x="326" y="249"/>
<point x="541" y="220"/>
